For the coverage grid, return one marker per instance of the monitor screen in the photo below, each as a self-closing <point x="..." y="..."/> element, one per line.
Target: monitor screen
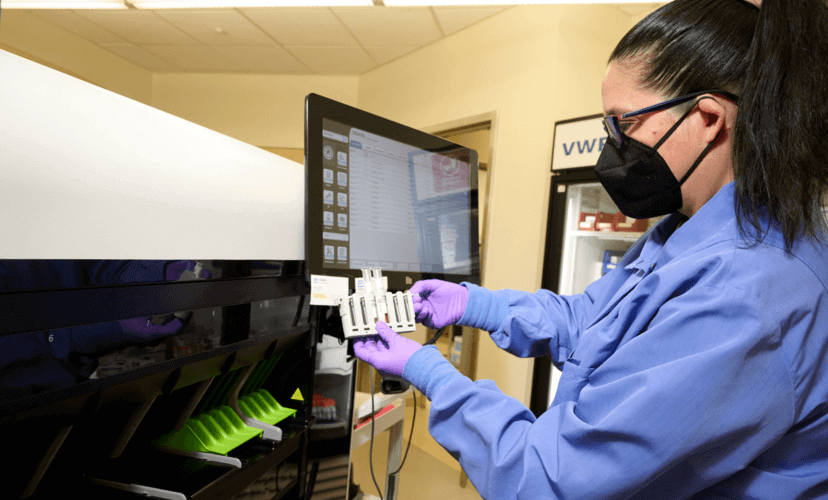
<point x="381" y="194"/>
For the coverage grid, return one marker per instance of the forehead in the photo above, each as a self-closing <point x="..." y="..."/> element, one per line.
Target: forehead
<point x="621" y="89"/>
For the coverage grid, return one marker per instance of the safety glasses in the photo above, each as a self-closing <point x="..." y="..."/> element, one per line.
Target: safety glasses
<point x="616" y="124"/>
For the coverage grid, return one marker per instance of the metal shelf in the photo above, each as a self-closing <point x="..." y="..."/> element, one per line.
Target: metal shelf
<point x="607" y="235"/>
<point x="199" y="365"/>
<point x="145" y="474"/>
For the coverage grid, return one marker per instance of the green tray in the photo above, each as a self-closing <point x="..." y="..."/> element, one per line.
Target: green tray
<point x="264" y="407"/>
<point x="218" y="431"/>
<point x="221" y="430"/>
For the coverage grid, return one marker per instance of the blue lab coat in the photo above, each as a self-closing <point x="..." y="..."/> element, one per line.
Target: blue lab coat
<point x="696" y="369"/>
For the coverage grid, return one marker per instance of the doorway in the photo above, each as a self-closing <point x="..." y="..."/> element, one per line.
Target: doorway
<point x="476" y="133"/>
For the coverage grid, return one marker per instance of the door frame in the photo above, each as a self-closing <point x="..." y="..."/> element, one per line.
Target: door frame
<point x="491" y="118"/>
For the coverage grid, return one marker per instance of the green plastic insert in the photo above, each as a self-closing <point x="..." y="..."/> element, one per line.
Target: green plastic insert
<point x="218" y="431"/>
<point x="264" y="407"/>
<point x="216" y="428"/>
<point x="221" y="430"/>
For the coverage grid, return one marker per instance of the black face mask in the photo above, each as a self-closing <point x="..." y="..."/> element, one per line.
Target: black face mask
<point x="638" y="179"/>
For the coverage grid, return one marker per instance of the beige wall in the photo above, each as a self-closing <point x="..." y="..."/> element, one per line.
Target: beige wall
<point x="263" y="110"/>
<point x="638" y="17"/>
<point x="25" y="34"/>
<point x="532" y="65"/>
<point x="295" y="154"/>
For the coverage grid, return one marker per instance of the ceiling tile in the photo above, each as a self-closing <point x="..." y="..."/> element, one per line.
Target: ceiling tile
<point x="78" y="25"/>
<point x="193" y="57"/>
<point x="216" y="26"/>
<point x="453" y="20"/>
<point x="137" y="26"/>
<point x="390" y="26"/>
<point x="334" y="60"/>
<point x="262" y="58"/>
<point x="386" y="54"/>
<point x="139" y="56"/>
<point x="309" y="26"/>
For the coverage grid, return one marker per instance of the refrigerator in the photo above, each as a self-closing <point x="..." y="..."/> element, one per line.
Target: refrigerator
<point x="586" y="234"/>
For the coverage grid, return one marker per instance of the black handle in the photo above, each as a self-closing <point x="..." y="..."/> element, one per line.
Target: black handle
<point x="393" y="385"/>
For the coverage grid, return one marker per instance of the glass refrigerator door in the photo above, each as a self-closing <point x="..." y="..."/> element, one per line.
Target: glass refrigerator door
<point x="596" y="237"/>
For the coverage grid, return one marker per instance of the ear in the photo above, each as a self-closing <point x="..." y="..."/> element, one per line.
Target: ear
<point x="713" y="115"/>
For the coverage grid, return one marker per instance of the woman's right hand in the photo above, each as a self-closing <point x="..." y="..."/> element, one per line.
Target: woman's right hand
<point x="439" y="303"/>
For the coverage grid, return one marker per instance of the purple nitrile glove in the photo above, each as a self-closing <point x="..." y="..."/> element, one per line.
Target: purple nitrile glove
<point x="181" y="270"/>
<point x="174" y="271"/>
<point x="143" y="330"/>
<point x="389" y="356"/>
<point x="439" y="303"/>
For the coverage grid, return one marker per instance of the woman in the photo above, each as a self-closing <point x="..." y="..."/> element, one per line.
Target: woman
<point x="695" y="368"/>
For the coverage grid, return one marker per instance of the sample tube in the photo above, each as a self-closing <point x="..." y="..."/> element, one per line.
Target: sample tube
<point x="397" y="309"/>
<point x="379" y="294"/>
<point x="406" y="305"/>
<point x="364" y="312"/>
<point x="353" y="313"/>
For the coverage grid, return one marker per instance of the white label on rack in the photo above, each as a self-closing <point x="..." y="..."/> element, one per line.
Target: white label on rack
<point x="327" y="290"/>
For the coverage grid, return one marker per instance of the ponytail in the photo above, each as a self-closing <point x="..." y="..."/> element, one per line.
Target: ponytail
<point x="780" y="147"/>
<point x="776" y="59"/>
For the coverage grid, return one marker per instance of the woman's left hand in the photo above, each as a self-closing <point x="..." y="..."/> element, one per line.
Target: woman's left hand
<point x="144" y="330"/>
<point x="387" y="352"/>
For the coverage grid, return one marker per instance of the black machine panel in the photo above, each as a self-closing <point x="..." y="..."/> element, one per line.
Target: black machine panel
<point x="114" y="370"/>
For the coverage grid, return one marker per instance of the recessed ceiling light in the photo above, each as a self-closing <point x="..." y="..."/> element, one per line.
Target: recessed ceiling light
<point x="469" y="3"/>
<point x="192" y="4"/>
<point x="63" y="4"/>
<point x="175" y="4"/>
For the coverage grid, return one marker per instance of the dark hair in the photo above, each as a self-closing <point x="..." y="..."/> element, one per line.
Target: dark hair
<point x="775" y="58"/>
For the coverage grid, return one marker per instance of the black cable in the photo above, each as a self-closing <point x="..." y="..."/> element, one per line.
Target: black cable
<point x="411" y="435"/>
<point x="309" y="487"/>
<point x="277" y="476"/>
<point x="299" y="311"/>
<point x="371" y="449"/>
<point x="433" y="339"/>
<point x="430" y="341"/>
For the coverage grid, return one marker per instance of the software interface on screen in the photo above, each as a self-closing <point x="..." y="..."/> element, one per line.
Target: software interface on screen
<point x="390" y="205"/>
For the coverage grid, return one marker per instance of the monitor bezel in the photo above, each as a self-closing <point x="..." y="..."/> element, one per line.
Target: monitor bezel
<point x="318" y="108"/>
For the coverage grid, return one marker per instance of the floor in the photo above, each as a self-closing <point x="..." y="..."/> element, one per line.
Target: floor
<point x="428" y="472"/>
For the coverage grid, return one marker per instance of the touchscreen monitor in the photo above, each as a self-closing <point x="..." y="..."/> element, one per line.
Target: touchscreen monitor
<point x="381" y="194"/>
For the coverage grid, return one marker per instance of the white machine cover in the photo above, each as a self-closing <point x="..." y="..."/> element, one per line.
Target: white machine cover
<point x="89" y="174"/>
